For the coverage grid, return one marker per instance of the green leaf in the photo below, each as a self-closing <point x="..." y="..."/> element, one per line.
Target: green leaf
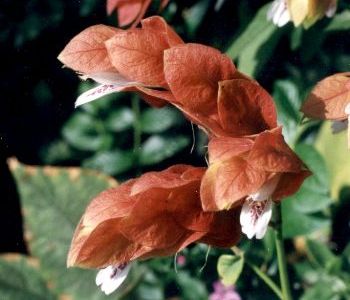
<point x="296" y="223"/>
<point x="339" y="22"/>
<point x="333" y="148"/>
<point x="255" y="45"/>
<point x="20" y="280"/>
<point x="158" y="120"/>
<point x="120" y="119"/>
<point x="158" y="148"/>
<point x="53" y="200"/>
<point x="191" y="288"/>
<point x="316" y="164"/>
<point x="311" y="198"/>
<point x="230" y="268"/>
<point x="308" y="200"/>
<point x="319" y="253"/>
<point x="83" y="132"/>
<point x="111" y="162"/>
<point x="195" y="15"/>
<point x="288" y="101"/>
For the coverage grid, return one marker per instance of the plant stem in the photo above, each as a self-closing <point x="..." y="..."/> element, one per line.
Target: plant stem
<point x="269" y="282"/>
<point x="135" y="102"/>
<point x="281" y="256"/>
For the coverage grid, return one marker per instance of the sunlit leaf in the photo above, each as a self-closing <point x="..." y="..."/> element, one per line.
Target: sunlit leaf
<point x="333" y="148"/>
<point x="53" y="199"/>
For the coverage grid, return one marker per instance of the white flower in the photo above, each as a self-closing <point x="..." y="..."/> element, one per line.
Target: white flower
<point x="110" y="82"/>
<point x="110" y="278"/>
<point x="278" y="13"/>
<point x="257" y="210"/>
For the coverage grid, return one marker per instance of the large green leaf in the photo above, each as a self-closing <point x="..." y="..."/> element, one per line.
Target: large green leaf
<point x="230" y="267"/>
<point x="53" y="200"/>
<point x="20" y="279"/>
<point x="333" y="148"/>
<point x="255" y="45"/>
<point x="157" y="148"/>
<point x="287" y="99"/>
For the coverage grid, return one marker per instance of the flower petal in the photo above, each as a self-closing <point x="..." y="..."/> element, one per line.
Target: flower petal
<point x="100" y="91"/>
<point x="110" y="278"/>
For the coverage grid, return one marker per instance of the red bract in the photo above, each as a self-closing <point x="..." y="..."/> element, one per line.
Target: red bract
<point x="154" y="61"/>
<point x="130" y="12"/>
<point x="123" y="60"/>
<point x="157" y="214"/>
<point x="212" y="93"/>
<point x="328" y="99"/>
<point x="240" y="167"/>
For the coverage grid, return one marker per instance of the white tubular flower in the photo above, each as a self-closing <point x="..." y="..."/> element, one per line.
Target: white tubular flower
<point x="111" y="277"/>
<point x="109" y="83"/>
<point x="257" y="210"/>
<point x="278" y="13"/>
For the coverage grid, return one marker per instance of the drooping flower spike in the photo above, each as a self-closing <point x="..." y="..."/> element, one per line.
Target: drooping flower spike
<point x="253" y="172"/>
<point x="330" y="100"/>
<point x="130" y="12"/>
<point x="305" y="12"/>
<point x="155" y="215"/>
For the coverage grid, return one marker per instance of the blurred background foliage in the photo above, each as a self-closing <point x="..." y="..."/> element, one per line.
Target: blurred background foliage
<point x="122" y="137"/>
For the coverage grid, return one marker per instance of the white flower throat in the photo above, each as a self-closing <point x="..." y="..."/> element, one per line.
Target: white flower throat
<point x="257" y="210"/>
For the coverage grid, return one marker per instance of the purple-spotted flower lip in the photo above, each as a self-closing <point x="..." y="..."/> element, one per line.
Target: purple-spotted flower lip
<point x="110" y="278"/>
<point x="278" y="13"/>
<point x="257" y="210"/>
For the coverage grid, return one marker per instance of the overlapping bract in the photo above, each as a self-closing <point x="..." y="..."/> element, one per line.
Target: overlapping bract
<point x="246" y="150"/>
<point x="157" y="214"/>
<point x="330" y="100"/>
<point x="239" y="167"/>
<point x="130" y="12"/>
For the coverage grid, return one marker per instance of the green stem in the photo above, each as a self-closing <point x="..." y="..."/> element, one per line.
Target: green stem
<point x="135" y="102"/>
<point x="281" y="256"/>
<point x="269" y="282"/>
